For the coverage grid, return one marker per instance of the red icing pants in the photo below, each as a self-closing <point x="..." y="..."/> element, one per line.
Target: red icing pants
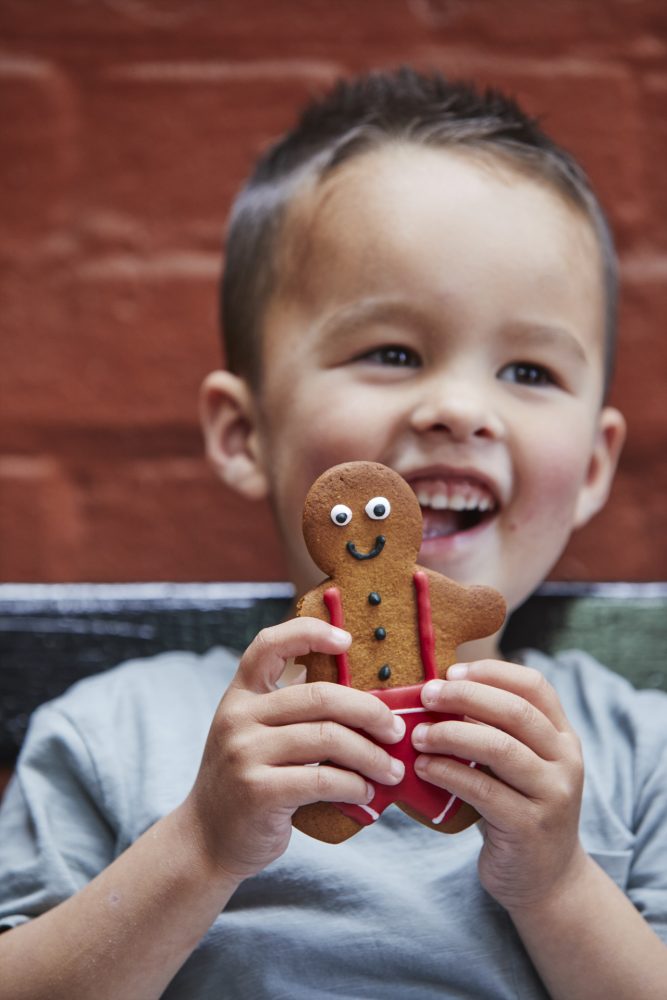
<point x="435" y="804"/>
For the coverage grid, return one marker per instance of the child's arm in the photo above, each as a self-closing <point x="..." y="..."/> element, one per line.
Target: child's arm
<point x="584" y="936"/>
<point x="130" y="930"/>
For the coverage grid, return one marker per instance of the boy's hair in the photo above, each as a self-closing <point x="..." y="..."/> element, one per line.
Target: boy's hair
<point x="362" y="115"/>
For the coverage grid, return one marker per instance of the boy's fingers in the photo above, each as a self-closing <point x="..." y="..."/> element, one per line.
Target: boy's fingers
<point x="300" y="786"/>
<point x="512" y="762"/>
<point x="310" y="742"/>
<point x="263" y="662"/>
<point x="526" y="682"/>
<point x="500" y="709"/>
<point x="496" y="802"/>
<point x="322" y="701"/>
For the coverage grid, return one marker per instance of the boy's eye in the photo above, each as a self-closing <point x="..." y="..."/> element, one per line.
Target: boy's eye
<point x="527" y="373"/>
<point x="394" y="356"/>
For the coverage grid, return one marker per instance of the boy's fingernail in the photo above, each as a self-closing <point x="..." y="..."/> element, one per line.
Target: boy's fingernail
<point x="370" y="792"/>
<point x="419" y="734"/>
<point x="399" y="727"/>
<point x="340" y="636"/>
<point x="432" y="691"/>
<point x="458" y="671"/>
<point x="397" y="768"/>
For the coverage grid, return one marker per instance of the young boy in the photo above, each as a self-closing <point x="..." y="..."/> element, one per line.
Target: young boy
<point x="418" y="276"/>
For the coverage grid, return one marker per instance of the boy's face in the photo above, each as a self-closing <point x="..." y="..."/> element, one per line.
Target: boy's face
<point x="441" y="314"/>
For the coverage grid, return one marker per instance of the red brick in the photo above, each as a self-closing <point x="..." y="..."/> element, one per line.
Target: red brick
<point x="375" y="31"/>
<point x="654" y="181"/>
<point x="39" y="519"/>
<point x="38" y="161"/>
<point x="178" y="139"/>
<point x="248" y="29"/>
<point x="624" y="542"/>
<point x="594" y="27"/>
<point x="118" y="342"/>
<point x="101" y="520"/>
<point x="171" y="520"/>
<point x="641" y="371"/>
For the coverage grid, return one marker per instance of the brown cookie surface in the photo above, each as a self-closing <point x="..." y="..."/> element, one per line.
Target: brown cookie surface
<point x="362" y="525"/>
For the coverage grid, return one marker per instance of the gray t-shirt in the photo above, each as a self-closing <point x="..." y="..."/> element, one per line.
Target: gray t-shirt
<point x="397" y="911"/>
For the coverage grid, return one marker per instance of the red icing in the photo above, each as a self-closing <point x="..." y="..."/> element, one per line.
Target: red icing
<point x="428" y="800"/>
<point x="334" y="606"/>
<point x="425" y="625"/>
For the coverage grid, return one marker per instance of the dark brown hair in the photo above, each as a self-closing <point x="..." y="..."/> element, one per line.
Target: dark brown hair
<point x="363" y="114"/>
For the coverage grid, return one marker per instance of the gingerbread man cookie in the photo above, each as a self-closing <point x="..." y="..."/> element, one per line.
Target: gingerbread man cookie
<point x="362" y="525"/>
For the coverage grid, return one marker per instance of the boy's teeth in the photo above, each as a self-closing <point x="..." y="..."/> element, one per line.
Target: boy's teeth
<point x="455" y="496"/>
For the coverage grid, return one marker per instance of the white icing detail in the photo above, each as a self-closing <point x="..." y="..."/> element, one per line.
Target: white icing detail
<point x="378" y="502"/>
<point x="407" y="711"/>
<point x="450" y="801"/>
<point x="341" y="511"/>
<point x="439" y="818"/>
<point x="371" y="812"/>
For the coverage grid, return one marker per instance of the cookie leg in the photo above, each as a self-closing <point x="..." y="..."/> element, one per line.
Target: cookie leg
<point x="324" y="822"/>
<point x="464" y="817"/>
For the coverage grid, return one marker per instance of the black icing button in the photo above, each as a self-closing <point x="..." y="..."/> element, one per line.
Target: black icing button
<point x="384" y="673"/>
<point x="374" y="598"/>
<point x="380" y="633"/>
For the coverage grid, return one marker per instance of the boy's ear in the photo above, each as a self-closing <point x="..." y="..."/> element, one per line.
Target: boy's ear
<point x="607" y="446"/>
<point x="228" y="418"/>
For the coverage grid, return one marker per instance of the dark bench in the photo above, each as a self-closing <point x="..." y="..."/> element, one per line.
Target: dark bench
<point x="51" y="635"/>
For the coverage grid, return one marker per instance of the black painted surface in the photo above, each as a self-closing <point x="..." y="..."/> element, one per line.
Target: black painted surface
<point x="51" y="636"/>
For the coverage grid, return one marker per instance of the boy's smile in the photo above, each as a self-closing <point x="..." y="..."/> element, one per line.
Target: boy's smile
<point x="441" y="313"/>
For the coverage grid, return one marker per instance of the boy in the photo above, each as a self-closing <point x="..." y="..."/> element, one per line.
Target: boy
<point x="416" y="276"/>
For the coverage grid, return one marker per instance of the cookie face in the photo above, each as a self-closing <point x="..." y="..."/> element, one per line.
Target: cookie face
<point x="363" y="527"/>
<point x="360" y="512"/>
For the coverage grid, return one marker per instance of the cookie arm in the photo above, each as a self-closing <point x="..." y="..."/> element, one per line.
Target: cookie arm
<point x="486" y="612"/>
<point x="312" y="604"/>
<point x="478" y="611"/>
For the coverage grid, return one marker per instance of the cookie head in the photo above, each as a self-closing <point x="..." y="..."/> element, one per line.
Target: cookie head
<point x="358" y="513"/>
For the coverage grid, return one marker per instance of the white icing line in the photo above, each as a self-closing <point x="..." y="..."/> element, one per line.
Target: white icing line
<point x="439" y="818"/>
<point x="450" y="802"/>
<point x="406" y="711"/>
<point x="371" y="812"/>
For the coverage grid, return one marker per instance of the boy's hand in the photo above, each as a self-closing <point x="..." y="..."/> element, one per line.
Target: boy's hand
<point x="253" y="774"/>
<point x="514" y="725"/>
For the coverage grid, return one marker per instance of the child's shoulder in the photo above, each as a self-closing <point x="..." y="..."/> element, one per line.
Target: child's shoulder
<point x="130" y="704"/>
<point x="600" y="704"/>
<point x="162" y="678"/>
<point x="129" y="739"/>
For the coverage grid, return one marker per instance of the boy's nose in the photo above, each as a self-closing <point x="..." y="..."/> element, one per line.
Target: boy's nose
<point x="459" y="409"/>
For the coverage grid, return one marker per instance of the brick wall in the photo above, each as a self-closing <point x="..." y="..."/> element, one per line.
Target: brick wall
<point x="126" y="127"/>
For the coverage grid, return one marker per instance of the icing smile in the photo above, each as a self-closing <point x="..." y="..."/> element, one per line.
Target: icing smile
<point x="375" y="551"/>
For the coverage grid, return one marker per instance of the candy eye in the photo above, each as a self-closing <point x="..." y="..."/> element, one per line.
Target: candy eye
<point x="378" y="508"/>
<point x="340" y="514"/>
